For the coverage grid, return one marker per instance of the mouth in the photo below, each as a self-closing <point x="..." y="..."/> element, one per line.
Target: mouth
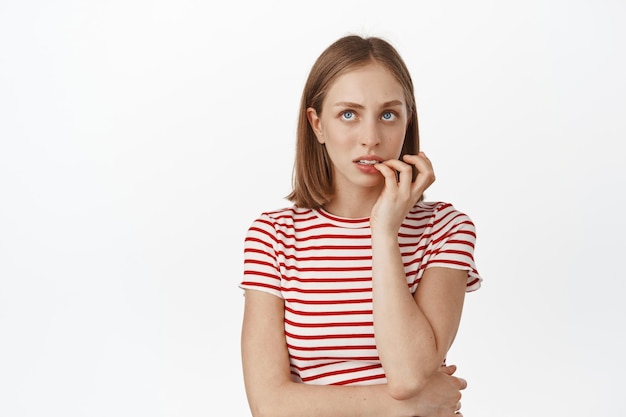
<point x="367" y="161"/>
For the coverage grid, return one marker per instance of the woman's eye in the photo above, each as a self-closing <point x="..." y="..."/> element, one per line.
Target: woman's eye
<point x="388" y="116"/>
<point x="347" y="115"/>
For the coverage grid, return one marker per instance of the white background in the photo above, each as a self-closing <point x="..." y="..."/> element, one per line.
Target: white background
<point x="139" y="139"/>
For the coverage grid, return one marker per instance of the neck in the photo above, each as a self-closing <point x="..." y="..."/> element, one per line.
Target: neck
<point x="353" y="205"/>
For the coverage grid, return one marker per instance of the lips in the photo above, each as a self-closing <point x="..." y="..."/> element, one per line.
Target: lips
<point x="368" y="160"/>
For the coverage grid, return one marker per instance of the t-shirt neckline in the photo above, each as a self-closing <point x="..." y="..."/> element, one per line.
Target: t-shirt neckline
<point x="346" y="222"/>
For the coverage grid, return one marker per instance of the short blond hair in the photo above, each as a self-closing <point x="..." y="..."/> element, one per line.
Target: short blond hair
<point x="312" y="172"/>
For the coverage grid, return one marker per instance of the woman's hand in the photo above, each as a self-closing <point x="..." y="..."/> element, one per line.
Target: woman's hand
<point x="441" y="397"/>
<point x="400" y="192"/>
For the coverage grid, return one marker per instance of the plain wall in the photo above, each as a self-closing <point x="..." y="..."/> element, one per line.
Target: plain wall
<point x="139" y="140"/>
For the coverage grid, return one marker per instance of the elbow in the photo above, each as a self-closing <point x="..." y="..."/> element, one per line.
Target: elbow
<point x="268" y="399"/>
<point x="407" y="384"/>
<point x="258" y="412"/>
<point x="262" y="410"/>
<point x="405" y="388"/>
<point x="266" y="406"/>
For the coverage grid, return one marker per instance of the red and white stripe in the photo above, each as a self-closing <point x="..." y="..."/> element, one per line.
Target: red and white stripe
<point x="321" y="265"/>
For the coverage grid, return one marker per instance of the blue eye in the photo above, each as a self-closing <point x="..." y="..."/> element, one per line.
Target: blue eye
<point x="388" y="116"/>
<point x="347" y="115"/>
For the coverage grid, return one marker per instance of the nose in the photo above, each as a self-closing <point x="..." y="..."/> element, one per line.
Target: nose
<point x="370" y="136"/>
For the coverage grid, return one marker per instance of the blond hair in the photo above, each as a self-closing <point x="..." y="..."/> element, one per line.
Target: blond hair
<point x="312" y="172"/>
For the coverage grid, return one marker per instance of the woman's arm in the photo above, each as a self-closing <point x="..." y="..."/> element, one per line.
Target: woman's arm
<point x="272" y="393"/>
<point x="413" y="333"/>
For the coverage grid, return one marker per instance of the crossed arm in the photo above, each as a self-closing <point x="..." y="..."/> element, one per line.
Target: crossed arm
<point x="413" y="332"/>
<point x="432" y="390"/>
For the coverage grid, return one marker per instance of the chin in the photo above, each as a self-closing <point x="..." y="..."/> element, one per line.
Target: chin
<point x="370" y="182"/>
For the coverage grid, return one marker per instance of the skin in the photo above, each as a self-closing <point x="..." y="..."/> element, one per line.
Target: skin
<point x="364" y="114"/>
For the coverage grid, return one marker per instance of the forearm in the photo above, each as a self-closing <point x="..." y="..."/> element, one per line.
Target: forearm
<point x="303" y="400"/>
<point x="405" y="339"/>
<point x="272" y="393"/>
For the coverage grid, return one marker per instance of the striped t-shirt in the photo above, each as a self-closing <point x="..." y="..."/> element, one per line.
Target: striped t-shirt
<point x="321" y="266"/>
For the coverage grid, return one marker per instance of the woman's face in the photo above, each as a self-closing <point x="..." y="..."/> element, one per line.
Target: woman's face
<point x="363" y="121"/>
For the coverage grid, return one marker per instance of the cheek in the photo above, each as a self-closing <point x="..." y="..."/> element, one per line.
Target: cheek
<point x="396" y="135"/>
<point x="397" y="138"/>
<point x="340" y="133"/>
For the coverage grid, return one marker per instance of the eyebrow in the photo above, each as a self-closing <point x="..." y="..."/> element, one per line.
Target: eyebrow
<point x="350" y="104"/>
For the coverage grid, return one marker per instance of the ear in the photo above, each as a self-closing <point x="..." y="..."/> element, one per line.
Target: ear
<point x="316" y="123"/>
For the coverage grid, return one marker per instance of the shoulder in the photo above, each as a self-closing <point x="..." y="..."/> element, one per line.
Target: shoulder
<point x="285" y="215"/>
<point x="440" y="216"/>
<point x="283" y="218"/>
<point x="450" y="237"/>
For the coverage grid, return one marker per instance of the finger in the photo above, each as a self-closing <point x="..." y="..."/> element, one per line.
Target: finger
<point x="405" y="170"/>
<point x="388" y="173"/>
<point x="448" y="369"/>
<point x="419" y="154"/>
<point x="462" y="383"/>
<point x="425" y="173"/>
<point x="419" y="158"/>
<point x="421" y="162"/>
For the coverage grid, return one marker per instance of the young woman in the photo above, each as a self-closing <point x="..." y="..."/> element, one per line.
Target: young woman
<point x="354" y="294"/>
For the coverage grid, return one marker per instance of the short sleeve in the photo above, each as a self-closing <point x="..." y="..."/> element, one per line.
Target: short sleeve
<point x="261" y="270"/>
<point x="453" y="244"/>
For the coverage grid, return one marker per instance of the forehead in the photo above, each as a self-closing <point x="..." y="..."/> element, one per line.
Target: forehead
<point x="370" y="83"/>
